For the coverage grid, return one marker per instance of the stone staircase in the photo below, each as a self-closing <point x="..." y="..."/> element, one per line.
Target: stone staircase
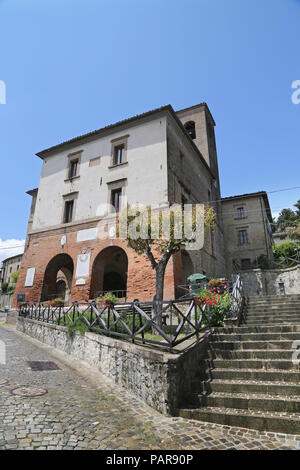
<point x="250" y="379"/>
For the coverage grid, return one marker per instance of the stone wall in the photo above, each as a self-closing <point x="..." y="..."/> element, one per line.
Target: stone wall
<point x="266" y="282"/>
<point x="6" y="300"/>
<point x="162" y="380"/>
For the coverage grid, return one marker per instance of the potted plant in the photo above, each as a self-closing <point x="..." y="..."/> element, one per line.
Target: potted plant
<point x="108" y="299"/>
<point x="58" y="302"/>
<point x="217" y="286"/>
<point x="22" y="304"/>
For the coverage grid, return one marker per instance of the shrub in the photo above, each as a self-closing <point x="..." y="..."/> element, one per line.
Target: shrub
<point x="15" y="277"/>
<point x="107" y="296"/>
<point x="286" y="249"/>
<point x="219" y="305"/>
<point x="78" y="325"/>
<point x="4" y="287"/>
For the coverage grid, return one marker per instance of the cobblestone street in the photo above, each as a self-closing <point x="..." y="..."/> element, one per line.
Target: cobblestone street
<point x="78" y="409"/>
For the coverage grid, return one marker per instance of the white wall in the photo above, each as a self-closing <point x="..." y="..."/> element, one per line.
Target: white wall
<point x="146" y="174"/>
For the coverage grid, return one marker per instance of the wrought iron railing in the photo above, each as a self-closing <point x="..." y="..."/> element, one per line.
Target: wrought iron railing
<point x="179" y="320"/>
<point x="287" y="262"/>
<point x="237" y="298"/>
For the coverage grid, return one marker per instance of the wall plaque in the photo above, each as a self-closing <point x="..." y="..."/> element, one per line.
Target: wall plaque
<point x="30" y="277"/>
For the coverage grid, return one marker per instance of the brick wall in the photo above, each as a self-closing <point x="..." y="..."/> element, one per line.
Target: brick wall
<point x="43" y="247"/>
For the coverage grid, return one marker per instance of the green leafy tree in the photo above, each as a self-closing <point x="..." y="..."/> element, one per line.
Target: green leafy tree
<point x="145" y="235"/>
<point x="4" y="287"/>
<point x="297" y="205"/>
<point x="286" y="218"/>
<point x="14" y="277"/>
<point x="286" y="249"/>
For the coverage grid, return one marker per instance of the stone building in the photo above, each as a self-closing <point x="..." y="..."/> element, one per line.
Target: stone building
<point x="247" y="230"/>
<point x="157" y="158"/>
<point x="280" y="237"/>
<point x="9" y="266"/>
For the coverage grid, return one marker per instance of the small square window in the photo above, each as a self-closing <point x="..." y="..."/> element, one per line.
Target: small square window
<point x="119" y="154"/>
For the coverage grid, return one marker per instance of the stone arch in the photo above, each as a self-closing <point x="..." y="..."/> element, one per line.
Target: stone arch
<point x="60" y="269"/>
<point x="109" y="272"/>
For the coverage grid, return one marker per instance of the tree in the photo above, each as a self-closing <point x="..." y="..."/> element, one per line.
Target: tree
<point x="15" y="276"/>
<point x="4" y="287"/>
<point x="286" y="218"/>
<point x="146" y="234"/>
<point x="297" y="205"/>
<point x="286" y="249"/>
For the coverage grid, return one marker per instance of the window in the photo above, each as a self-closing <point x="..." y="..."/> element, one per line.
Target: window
<point x="190" y="128"/>
<point x="119" y="154"/>
<point x="246" y="263"/>
<point x="68" y="216"/>
<point x="243" y="237"/>
<point x="116" y="198"/>
<point x="240" y="212"/>
<point x="73" y="168"/>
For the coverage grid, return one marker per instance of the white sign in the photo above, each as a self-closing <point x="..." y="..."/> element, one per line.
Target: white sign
<point x="83" y="265"/>
<point x="30" y="277"/>
<point x="88" y="234"/>
<point x="80" y="282"/>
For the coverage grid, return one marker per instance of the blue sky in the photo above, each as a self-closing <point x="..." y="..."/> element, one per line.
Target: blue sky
<point x="72" y="66"/>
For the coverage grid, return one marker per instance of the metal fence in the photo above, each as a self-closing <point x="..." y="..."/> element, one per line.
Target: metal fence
<point x="179" y="320"/>
<point x="237" y="297"/>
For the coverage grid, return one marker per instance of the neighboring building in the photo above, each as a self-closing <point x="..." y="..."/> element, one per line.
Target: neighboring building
<point x="9" y="266"/>
<point x="160" y="157"/>
<point x="280" y="237"/>
<point x="247" y="223"/>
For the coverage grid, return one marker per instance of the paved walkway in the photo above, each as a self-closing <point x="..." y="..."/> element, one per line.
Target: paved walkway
<point x="80" y="409"/>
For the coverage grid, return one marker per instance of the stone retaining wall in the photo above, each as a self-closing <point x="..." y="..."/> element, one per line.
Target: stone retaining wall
<point x="163" y="380"/>
<point x="266" y="281"/>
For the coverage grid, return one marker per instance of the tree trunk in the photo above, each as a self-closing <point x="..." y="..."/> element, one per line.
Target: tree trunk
<point x="158" y="298"/>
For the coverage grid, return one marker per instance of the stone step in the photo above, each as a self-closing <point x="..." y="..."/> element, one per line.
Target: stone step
<point x="258" y="329"/>
<point x="270" y="321"/>
<point x="239" y="386"/>
<point x="257" y="298"/>
<point x="252" y="354"/>
<point x="273" y="311"/>
<point x="263" y="345"/>
<point x="278" y="313"/>
<point x="258" y="364"/>
<point x="253" y="402"/>
<point x="252" y="345"/>
<point x="287" y="336"/>
<point x="251" y="419"/>
<point x="273" y="319"/>
<point x="278" y="300"/>
<point x="256" y="375"/>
